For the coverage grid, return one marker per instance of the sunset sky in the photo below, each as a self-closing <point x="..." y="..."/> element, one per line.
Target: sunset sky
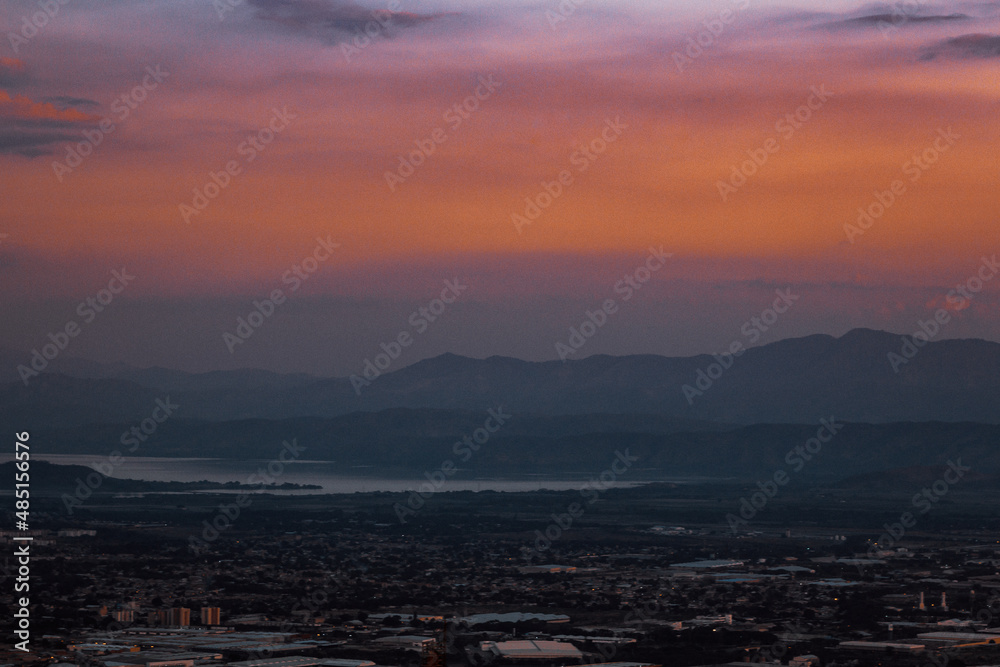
<point x="672" y="119"/>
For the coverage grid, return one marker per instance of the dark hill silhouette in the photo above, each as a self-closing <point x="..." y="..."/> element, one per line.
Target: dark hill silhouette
<point x="791" y="381"/>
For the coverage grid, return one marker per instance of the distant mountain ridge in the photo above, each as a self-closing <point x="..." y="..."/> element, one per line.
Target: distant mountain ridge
<point x="790" y="381"/>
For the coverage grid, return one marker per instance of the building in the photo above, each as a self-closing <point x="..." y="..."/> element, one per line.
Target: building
<point x="520" y="649"/>
<point x="512" y="617"/>
<point x="102" y="648"/>
<point x="161" y="659"/>
<point x="178" y="617"/>
<point x="588" y="639"/>
<point x="708" y="564"/>
<point x="409" y="642"/>
<point x="210" y="615"/>
<point x="123" y="615"/>
<point x="807" y="660"/>
<point x="552" y="568"/>
<point x="302" y="661"/>
<point x="946" y="638"/>
<point x="881" y="646"/>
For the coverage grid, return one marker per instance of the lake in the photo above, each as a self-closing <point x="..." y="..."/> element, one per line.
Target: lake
<point x="331" y="476"/>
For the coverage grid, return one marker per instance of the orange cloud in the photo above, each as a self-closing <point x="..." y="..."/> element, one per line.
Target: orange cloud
<point x="22" y="107"/>
<point x="11" y="64"/>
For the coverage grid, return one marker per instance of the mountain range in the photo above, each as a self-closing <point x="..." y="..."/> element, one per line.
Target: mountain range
<point x="791" y="381"/>
<point x="566" y="416"/>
